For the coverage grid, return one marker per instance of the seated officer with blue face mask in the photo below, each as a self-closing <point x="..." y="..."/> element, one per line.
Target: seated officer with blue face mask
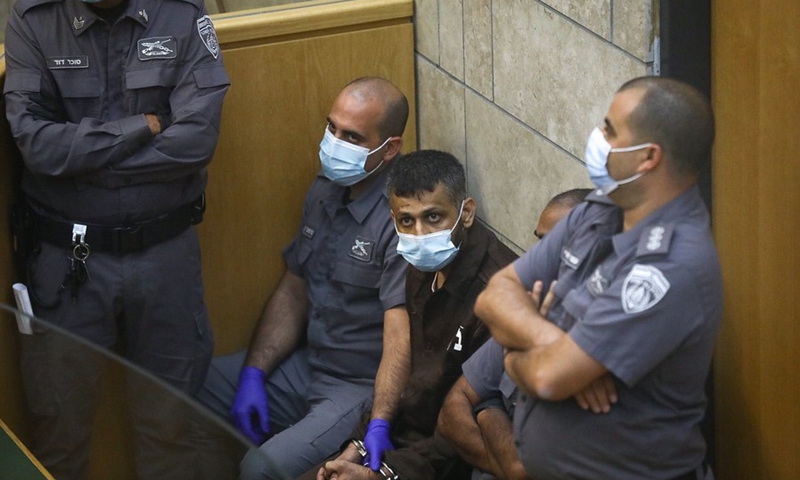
<point x="452" y="256"/>
<point x="343" y="292"/>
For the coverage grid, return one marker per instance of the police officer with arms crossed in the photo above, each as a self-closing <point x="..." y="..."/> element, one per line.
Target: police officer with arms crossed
<point x="343" y="291"/>
<point x="115" y="106"/>
<point x="638" y="296"/>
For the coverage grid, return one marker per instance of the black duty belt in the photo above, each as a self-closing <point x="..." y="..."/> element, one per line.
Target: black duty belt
<point x="126" y="238"/>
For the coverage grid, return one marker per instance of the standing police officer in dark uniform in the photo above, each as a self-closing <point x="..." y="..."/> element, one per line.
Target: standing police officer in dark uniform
<point x="638" y="297"/>
<point x="115" y="106"/>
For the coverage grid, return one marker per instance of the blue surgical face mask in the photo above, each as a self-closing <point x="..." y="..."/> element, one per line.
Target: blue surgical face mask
<point x="597" y="151"/>
<point x="431" y="252"/>
<point x="344" y="162"/>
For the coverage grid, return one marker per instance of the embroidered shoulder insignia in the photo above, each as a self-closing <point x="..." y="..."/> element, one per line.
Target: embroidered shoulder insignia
<point x="205" y="28"/>
<point x="644" y="287"/>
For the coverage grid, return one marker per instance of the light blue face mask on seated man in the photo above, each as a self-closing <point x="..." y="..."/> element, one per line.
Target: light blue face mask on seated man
<point x="344" y="162"/>
<point x="431" y="252"/>
<point x="597" y="151"/>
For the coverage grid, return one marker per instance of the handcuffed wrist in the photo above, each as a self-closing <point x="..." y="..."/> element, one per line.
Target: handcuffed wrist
<point x="385" y="471"/>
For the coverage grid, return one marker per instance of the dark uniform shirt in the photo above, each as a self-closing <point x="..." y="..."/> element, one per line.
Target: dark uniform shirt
<point x="347" y="253"/>
<point x="444" y="333"/>
<point x="76" y="90"/>
<point x="646" y="304"/>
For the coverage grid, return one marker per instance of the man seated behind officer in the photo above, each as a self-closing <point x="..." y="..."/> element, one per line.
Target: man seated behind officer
<point x="638" y="297"/>
<point x="343" y="291"/>
<point x="452" y="258"/>
<point x="476" y="415"/>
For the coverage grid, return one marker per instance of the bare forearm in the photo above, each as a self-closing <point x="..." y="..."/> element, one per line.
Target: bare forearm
<point x="281" y="325"/>
<point x="498" y="437"/>
<point x="457" y="425"/>
<point x="395" y="364"/>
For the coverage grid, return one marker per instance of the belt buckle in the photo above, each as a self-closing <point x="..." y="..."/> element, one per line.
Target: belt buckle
<point x="127" y="239"/>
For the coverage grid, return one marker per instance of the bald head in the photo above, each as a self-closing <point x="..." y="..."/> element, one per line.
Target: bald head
<point x="395" y="104"/>
<point x="557" y="208"/>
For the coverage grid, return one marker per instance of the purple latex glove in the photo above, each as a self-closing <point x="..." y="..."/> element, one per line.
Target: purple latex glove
<point x="249" y="411"/>
<point x="376" y="441"/>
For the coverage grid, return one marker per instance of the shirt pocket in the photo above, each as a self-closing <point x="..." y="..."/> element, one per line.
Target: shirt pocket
<point x="80" y="95"/>
<point x="357" y="274"/>
<point x="358" y="283"/>
<point x="148" y="90"/>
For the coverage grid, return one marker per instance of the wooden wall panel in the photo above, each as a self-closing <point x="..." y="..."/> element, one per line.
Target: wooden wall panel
<point x="756" y="95"/>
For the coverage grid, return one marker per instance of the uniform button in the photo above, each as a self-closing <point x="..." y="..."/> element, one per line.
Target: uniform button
<point x="128" y="180"/>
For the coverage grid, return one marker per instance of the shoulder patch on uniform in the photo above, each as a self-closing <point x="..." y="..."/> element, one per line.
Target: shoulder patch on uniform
<point x="22" y="6"/>
<point x="655" y="240"/>
<point x="644" y="287"/>
<point x="205" y="28"/>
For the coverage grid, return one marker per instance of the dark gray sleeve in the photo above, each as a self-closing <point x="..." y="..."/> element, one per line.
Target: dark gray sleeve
<point x="187" y="144"/>
<point x="393" y="276"/>
<point x="630" y="342"/>
<point x="50" y="145"/>
<point x="121" y="151"/>
<point x="484" y="369"/>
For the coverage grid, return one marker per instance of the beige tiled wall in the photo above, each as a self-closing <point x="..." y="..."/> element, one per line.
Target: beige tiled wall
<point x="513" y="88"/>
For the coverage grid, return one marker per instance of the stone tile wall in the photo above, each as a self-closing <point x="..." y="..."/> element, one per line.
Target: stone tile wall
<point x="513" y="88"/>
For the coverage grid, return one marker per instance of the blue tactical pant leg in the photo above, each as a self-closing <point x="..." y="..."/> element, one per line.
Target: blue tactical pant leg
<point x="287" y="388"/>
<point x="336" y="408"/>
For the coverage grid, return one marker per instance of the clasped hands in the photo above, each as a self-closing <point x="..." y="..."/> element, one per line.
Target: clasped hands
<point x="352" y="465"/>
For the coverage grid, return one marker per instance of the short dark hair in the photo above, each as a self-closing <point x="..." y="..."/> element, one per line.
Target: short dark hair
<point x="677" y="117"/>
<point x="421" y="171"/>
<point x="395" y="103"/>
<point x="570" y="198"/>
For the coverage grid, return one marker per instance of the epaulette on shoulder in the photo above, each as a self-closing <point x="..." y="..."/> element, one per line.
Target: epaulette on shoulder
<point x="22" y="6"/>
<point x="655" y="240"/>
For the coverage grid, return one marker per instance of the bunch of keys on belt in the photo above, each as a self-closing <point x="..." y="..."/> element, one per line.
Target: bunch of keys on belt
<point x="77" y="273"/>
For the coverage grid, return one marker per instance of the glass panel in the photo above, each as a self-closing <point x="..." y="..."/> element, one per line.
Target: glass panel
<point x="125" y="413"/>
